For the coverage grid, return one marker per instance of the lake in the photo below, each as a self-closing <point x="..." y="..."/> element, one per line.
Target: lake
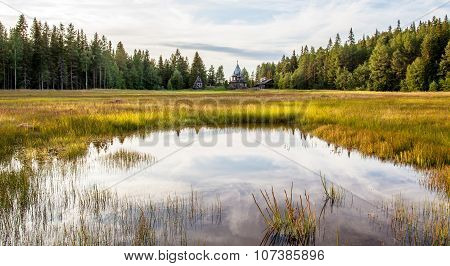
<point x="224" y="167"/>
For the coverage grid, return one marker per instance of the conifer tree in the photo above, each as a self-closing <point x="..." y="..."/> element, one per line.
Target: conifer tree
<point x="415" y="75"/>
<point x="381" y="75"/>
<point x="220" y="76"/>
<point x="197" y="69"/>
<point x="211" y="76"/>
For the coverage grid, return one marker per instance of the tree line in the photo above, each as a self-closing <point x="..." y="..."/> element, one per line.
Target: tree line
<point x="40" y="57"/>
<point x="416" y="58"/>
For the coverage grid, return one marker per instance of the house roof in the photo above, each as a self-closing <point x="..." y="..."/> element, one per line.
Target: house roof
<point x="198" y="80"/>
<point x="265" y="81"/>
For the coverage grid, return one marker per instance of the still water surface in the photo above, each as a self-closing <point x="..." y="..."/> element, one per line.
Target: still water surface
<point x="231" y="164"/>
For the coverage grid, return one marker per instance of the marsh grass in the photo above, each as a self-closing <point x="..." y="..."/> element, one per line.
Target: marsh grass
<point x="16" y="189"/>
<point x="291" y="224"/>
<point x="38" y="210"/>
<point x="423" y="224"/>
<point x="126" y="160"/>
<point x="333" y="194"/>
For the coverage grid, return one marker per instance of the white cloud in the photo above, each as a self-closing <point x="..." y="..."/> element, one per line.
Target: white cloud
<point x="223" y="31"/>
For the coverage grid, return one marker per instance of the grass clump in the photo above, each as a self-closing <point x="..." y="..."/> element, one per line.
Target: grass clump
<point x="333" y="194"/>
<point x="424" y="224"/>
<point x="15" y="189"/>
<point x="125" y="159"/>
<point x="294" y="224"/>
<point x="93" y="217"/>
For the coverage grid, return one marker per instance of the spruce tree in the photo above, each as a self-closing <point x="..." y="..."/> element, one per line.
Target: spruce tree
<point x="381" y="76"/>
<point x="3" y="56"/>
<point x="220" y="76"/>
<point x="245" y="75"/>
<point x="211" y="76"/>
<point x="197" y="69"/>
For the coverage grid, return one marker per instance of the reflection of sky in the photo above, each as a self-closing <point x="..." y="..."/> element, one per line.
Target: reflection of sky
<point x="219" y="159"/>
<point x="231" y="165"/>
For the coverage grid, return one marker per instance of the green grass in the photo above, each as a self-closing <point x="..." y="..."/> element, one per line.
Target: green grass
<point x="126" y="160"/>
<point x="406" y="128"/>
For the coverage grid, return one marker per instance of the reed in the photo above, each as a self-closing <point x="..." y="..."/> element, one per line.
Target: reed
<point x="125" y="160"/>
<point x="66" y="213"/>
<point x="292" y="224"/>
<point x="423" y="224"/>
<point x="333" y="194"/>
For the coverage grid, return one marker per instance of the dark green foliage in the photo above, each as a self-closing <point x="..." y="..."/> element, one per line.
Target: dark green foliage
<point x="433" y="86"/>
<point x="176" y="81"/>
<point x="379" y="62"/>
<point x="245" y="75"/>
<point x="197" y="69"/>
<point x="415" y="76"/>
<point x="211" y="77"/>
<point x="444" y="65"/>
<point x="40" y="57"/>
<point x="381" y="74"/>
<point x="59" y="57"/>
<point x="220" y="76"/>
<point x="361" y="76"/>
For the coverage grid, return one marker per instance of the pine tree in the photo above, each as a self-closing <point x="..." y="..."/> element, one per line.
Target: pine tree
<point x="399" y="64"/>
<point x="19" y="42"/>
<point x="337" y="41"/>
<point x="151" y="78"/>
<point x="220" y="76"/>
<point x="444" y="69"/>
<point x="351" y="37"/>
<point x="197" y="69"/>
<point x="444" y="65"/>
<point x="245" y="75"/>
<point x="58" y="73"/>
<point x="3" y="56"/>
<point x="211" y="78"/>
<point x="431" y="54"/>
<point x="399" y="28"/>
<point x="71" y="55"/>
<point x="96" y="58"/>
<point x="177" y="61"/>
<point x="381" y="75"/>
<point x="121" y="59"/>
<point x="85" y="58"/>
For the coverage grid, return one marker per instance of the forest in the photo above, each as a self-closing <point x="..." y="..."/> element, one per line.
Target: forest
<point x="415" y="58"/>
<point x="60" y="57"/>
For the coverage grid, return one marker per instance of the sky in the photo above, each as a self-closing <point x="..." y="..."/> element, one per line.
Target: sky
<point x="224" y="31"/>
